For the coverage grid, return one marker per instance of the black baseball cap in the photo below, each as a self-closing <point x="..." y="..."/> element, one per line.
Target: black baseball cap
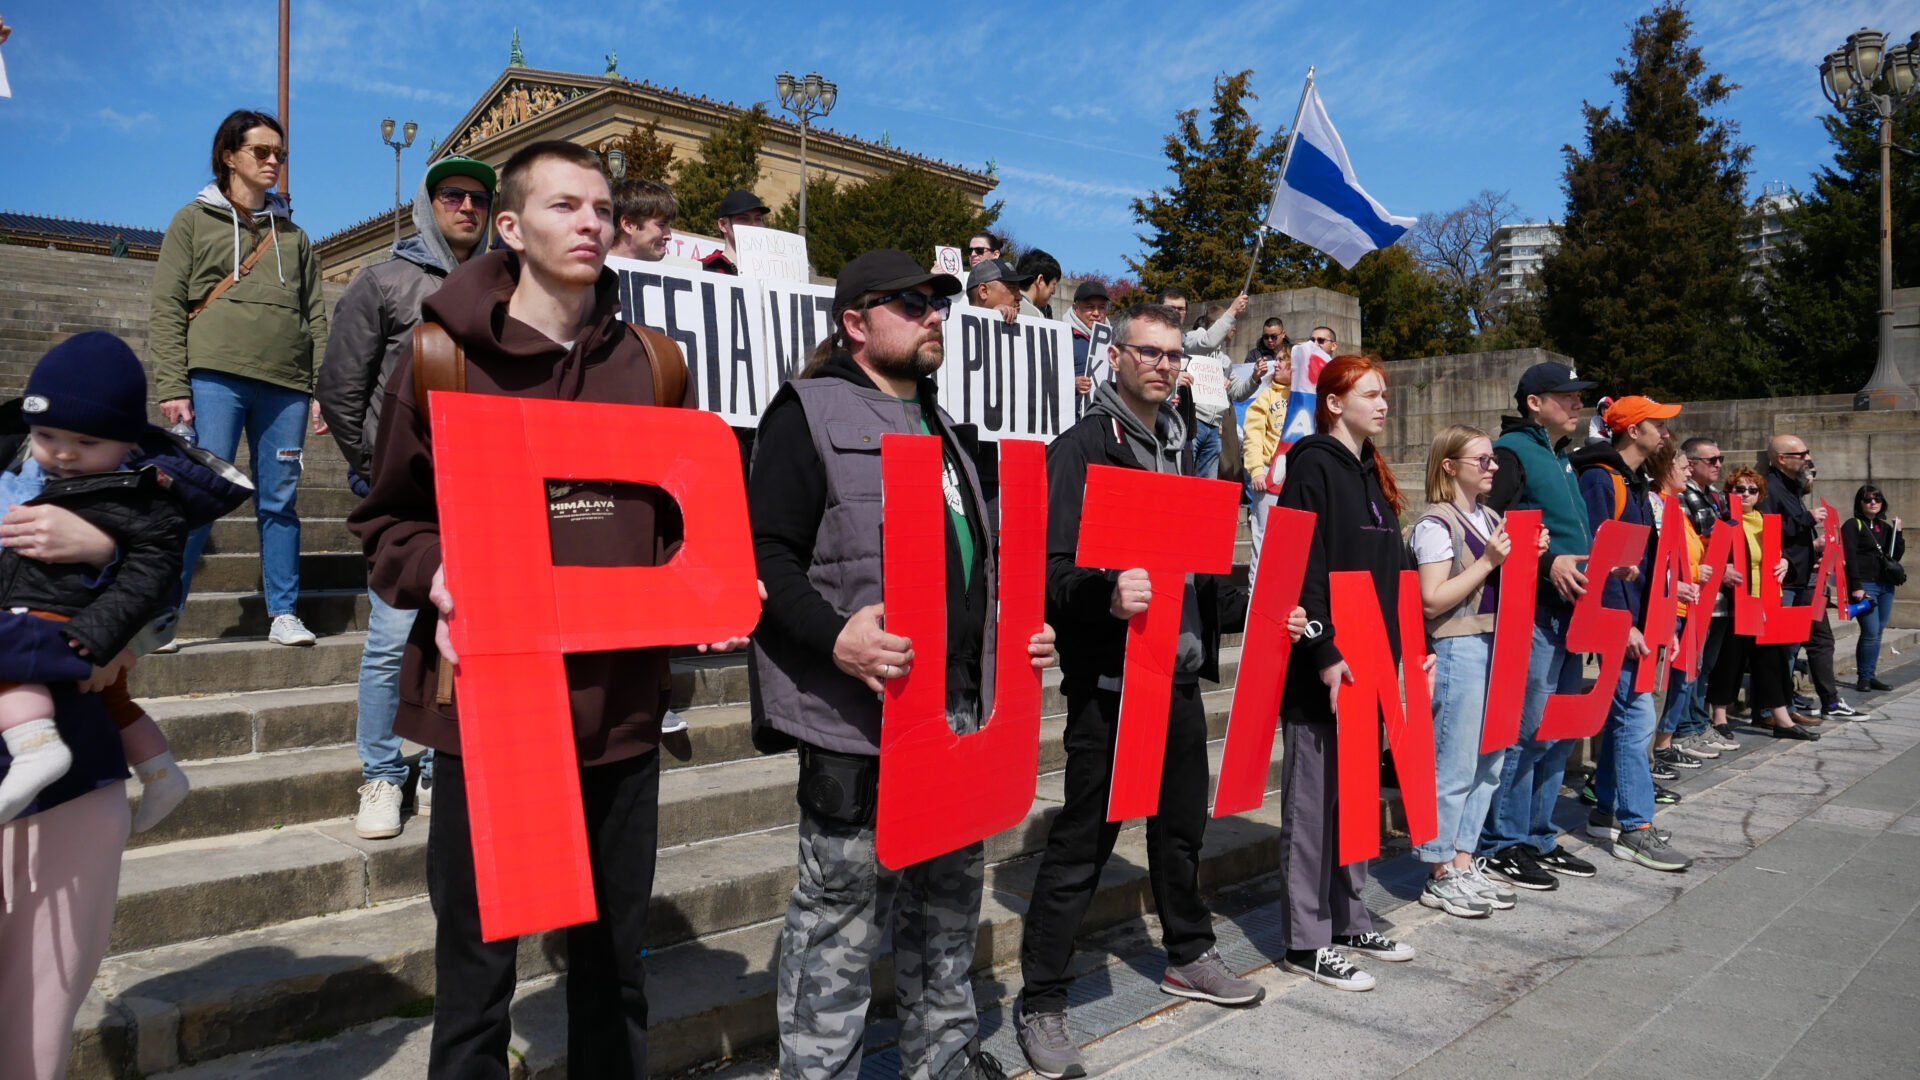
<point x="739" y="202"/>
<point x="1550" y="377"/>
<point x="1090" y="290"/>
<point x="885" y="270"/>
<point x="996" y="270"/>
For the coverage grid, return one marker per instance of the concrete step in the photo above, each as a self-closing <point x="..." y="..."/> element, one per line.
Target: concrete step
<point x="212" y="615"/>
<point x="323" y="502"/>
<point x="238" y="534"/>
<point x="228" y="667"/>
<point x="240" y="572"/>
<point x="202" y="1000"/>
<point x="260" y="721"/>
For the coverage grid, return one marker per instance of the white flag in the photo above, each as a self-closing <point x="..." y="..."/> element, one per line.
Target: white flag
<point x="1318" y="202"/>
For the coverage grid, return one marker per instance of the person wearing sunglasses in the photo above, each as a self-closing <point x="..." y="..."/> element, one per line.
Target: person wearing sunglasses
<point x="235" y="266"/>
<point x="1770" y="690"/>
<point x="1790" y="473"/>
<point x="1706" y="509"/>
<point x="982" y="246"/>
<point x="1874" y="549"/>
<point x="372" y="326"/>
<point x="823" y="654"/>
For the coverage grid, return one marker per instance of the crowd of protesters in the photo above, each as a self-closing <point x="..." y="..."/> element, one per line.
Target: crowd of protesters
<point x="495" y="262"/>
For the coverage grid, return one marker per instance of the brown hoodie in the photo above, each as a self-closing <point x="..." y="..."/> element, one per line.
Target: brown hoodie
<point x="618" y="697"/>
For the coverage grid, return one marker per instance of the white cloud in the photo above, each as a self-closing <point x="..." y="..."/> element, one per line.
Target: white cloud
<point x="117" y="119"/>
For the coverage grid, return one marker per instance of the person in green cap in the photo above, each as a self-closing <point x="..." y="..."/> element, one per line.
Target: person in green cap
<point x="452" y="219"/>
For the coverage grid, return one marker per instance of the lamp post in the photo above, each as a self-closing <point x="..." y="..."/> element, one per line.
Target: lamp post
<point x="386" y="136"/>
<point x="1865" y="76"/>
<point x="805" y="99"/>
<point x="616" y="163"/>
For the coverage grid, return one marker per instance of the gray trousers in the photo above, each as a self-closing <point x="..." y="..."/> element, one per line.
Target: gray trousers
<point x="1323" y="897"/>
<point x="838" y="917"/>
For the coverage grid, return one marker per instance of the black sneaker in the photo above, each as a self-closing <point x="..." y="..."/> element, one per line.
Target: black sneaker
<point x="1803" y="703"/>
<point x="1665" y="796"/>
<point x="1517" y="866"/>
<point x="981" y="1065"/>
<point x="1377" y="945"/>
<point x="1675" y="758"/>
<point x="1565" y="863"/>
<point x="1660" y="770"/>
<point x="1328" y="967"/>
<point x="1845" y="711"/>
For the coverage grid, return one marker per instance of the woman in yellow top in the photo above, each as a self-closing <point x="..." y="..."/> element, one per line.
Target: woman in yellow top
<point x="1260" y="435"/>
<point x="1668" y="470"/>
<point x="1771" y="691"/>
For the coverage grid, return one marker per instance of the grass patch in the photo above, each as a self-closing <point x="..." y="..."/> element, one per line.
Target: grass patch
<point x="415" y="1009"/>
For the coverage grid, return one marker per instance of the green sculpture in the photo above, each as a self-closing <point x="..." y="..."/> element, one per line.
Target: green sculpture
<point x="613" y="62"/>
<point x="516" y="58"/>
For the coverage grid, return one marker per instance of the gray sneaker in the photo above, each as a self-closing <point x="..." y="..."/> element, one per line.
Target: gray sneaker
<point x="1646" y="846"/>
<point x="1209" y="979"/>
<point x="1493" y="892"/>
<point x="1697" y="746"/>
<point x="1453" y="893"/>
<point x="1043" y="1037"/>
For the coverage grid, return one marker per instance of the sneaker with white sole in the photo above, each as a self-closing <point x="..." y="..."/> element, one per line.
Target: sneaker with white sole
<point x="1497" y="893"/>
<point x="1648" y="846"/>
<point x="379" y="816"/>
<point x="1719" y="740"/>
<point x="1697" y="746"/>
<point x="289" y="630"/>
<point x="1328" y="967"/>
<point x="1377" y="945"/>
<point x="672" y="722"/>
<point x="423" y="797"/>
<point x="1049" y="1046"/>
<point x="1209" y="979"/>
<point x="1453" y="893"/>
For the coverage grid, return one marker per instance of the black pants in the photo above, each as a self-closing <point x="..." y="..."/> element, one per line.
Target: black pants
<point x="1723" y="682"/>
<point x="1082" y="838"/>
<point x="606" y="982"/>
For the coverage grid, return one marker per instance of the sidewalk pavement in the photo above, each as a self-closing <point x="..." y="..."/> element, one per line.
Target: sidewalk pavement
<point x="1788" y="950"/>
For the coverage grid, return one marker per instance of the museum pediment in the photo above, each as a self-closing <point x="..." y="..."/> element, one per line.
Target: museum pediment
<point x="516" y="102"/>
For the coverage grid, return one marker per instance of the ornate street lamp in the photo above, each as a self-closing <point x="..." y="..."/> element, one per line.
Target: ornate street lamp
<point x="386" y="136"/>
<point x="1867" y="77"/>
<point x="805" y="98"/>
<point x="616" y="163"/>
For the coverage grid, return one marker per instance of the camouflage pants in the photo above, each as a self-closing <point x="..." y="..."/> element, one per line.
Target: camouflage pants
<point x="838" y="918"/>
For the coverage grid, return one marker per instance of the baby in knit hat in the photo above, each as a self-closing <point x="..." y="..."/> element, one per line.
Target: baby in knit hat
<point x="86" y="412"/>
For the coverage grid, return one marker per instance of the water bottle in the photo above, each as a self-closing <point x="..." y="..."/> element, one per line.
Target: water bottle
<point x="184" y="432"/>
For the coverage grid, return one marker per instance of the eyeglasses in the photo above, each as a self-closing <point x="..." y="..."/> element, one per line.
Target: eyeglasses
<point x="1796" y="453"/>
<point x="1484" y="462"/>
<point x="1743" y="489"/>
<point x="1271" y="335"/>
<point x="914" y="304"/>
<point x="1150" y="357"/>
<point x="1323" y="341"/>
<point x="978" y="250"/>
<point x="1873" y="499"/>
<point x="455" y="197"/>
<point x="261" y="151"/>
<point x="1714" y="460"/>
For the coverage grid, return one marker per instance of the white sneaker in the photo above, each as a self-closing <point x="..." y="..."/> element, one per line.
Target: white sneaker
<point x="379" y="816"/>
<point x="672" y="722"/>
<point x="289" y="630"/>
<point x="423" y="797"/>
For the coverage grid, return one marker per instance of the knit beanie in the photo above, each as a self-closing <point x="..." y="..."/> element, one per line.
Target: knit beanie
<point x="92" y="384"/>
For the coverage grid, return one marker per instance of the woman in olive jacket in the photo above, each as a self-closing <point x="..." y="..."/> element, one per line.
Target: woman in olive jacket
<point x="238" y="323"/>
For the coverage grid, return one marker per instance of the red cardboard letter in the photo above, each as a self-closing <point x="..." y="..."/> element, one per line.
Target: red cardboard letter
<point x="1248" y="758"/>
<point x="1361" y="634"/>
<point x="1596" y="629"/>
<point x="1513" y="633"/>
<point x="1700" y="615"/>
<point x="920" y="755"/>
<point x="1169" y="526"/>
<point x="1784" y="625"/>
<point x="518" y="615"/>
<point x="1670" y="569"/>
<point x="1833" y="559"/>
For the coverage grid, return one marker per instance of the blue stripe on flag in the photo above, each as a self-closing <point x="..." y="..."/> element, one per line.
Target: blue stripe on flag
<point x="1313" y="174"/>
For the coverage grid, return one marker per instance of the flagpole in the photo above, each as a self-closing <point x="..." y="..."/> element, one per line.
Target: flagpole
<point x="1293" y="133"/>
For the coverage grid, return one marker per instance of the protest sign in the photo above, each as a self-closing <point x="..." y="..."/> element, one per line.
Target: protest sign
<point x="946" y="260"/>
<point x="1370" y="701"/>
<point x="1209" y="387"/>
<point x="1008" y="378"/>
<point x="720" y="324"/>
<point x="691" y="248"/>
<point x="1597" y="629"/>
<point x="6" y="88"/>
<point x="1512" y="632"/>
<point x="798" y="318"/>
<point x="1098" y="341"/>
<point x="1308" y="361"/>
<point x="771" y="255"/>
<point x="1248" y="758"/>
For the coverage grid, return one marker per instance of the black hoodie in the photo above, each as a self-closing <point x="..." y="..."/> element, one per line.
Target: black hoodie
<point x="1355" y="529"/>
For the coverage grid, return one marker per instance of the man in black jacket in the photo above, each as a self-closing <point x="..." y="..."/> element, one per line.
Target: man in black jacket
<point x="1789" y="480"/>
<point x="1127" y="425"/>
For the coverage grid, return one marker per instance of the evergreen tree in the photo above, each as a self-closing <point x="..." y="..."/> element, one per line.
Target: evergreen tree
<point x="1822" y="295"/>
<point x="1645" y="291"/>
<point x="1200" y="229"/>
<point x="1406" y="311"/>
<point x="729" y="159"/>
<point x="649" y="157"/>
<point x="906" y="208"/>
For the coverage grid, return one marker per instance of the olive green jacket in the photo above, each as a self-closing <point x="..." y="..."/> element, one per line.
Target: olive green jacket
<point x="271" y="325"/>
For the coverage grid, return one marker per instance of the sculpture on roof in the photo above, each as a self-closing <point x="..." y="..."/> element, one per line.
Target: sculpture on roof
<point x="613" y="62"/>
<point x="516" y="58"/>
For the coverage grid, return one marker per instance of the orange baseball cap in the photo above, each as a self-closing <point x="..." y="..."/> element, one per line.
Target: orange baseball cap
<point x="1630" y="410"/>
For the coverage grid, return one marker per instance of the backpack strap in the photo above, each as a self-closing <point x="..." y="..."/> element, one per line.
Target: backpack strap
<point x="228" y="282"/>
<point x="1619" y="494"/>
<point x="438" y="364"/>
<point x="668" y="363"/>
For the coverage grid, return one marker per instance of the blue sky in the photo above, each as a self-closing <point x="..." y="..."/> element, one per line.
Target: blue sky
<point x="115" y="104"/>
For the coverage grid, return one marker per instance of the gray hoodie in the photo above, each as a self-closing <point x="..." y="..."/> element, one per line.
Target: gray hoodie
<point x="1159" y="451"/>
<point x="374" y="318"/>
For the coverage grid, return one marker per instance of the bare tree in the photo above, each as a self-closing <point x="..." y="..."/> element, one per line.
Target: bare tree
<point x="1453" y="247"/>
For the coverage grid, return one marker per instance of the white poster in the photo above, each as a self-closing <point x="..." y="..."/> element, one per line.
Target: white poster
<point x="771" y="255"/>
<point x="1007" y="378"/>
<point x="719" y="321"/>
<point x="946" y="260"/>
<point x="692" y="248"/>
<point x="799" y="317"/>
<point x="1209" y="382"/>
<point x="1098" y="367"/>
<point x="6" y="88"/>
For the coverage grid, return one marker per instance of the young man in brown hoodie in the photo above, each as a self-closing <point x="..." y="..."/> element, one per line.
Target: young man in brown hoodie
<point x="539" y="320"/>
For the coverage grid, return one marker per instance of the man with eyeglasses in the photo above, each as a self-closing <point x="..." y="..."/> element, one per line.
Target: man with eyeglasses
<point x="1706" y="507"/>
<point x="814" y="500"/>
<point x="982" y="246"/>
<point x="1790" y="473"/>
<point x="1128" y="425"/>
<point x="372" y="322"/>
<point x="1272" y="345"/>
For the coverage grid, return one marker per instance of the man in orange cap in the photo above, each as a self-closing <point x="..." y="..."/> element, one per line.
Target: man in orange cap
<point x="1614" y="485"/>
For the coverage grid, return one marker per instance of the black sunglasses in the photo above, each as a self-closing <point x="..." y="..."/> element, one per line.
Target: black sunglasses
<point x="1743" y="489"/>
<point x="1714" y="460"/>
<point x="978" y="250"/>
<point x="914" y="304"/>
<point x="454" y="197"/>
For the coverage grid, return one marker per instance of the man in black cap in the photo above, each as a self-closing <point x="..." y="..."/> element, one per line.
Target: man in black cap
<point x="1090" y="306"/>
<point x="736" y="208"/>
<point x="1519" y="841"/>
<point x="814" y="500"/>
<point x="996" y="285"/>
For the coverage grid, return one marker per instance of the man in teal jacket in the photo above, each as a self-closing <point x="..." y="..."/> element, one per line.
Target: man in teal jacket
<point x="1519" y="840"/>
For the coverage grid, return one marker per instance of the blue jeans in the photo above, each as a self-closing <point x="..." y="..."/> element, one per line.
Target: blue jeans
<point x="1873" y="622"/>
<point x="1464" y="778"/>
<point x="274" y="420"/>
<point x="1622" y="778"/>
<point x="1206" y="450"/>
<point x="387" y="630"/>
<point x="1530" y="778"/>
